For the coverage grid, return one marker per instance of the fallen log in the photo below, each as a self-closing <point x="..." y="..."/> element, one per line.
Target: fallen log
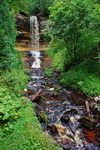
<point x="87" y="108"/>
<point x="36" y="95"/>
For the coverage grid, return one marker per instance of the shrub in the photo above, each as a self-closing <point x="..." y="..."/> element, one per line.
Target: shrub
<point x="48" y="72"/>
<point x="84" y="76"/>
<point x="11" y="86"/>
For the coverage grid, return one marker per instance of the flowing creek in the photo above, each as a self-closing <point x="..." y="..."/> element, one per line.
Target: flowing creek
<point x="62" y="112"/>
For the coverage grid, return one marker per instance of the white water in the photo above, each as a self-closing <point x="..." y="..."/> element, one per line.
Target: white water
<point x="34" y="29"/>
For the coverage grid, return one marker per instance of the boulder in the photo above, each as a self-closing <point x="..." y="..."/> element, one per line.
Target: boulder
<point x="57" y="128"/>
<point x="88" y="122"/>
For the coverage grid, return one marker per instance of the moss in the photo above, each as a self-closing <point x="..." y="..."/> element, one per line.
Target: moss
<point x="42" y="116"/>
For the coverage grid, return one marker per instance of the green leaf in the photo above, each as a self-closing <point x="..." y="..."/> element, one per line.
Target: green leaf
<point x="6" y="116"/>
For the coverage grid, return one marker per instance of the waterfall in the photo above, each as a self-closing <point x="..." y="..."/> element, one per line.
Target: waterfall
<point x="34" y="30"/>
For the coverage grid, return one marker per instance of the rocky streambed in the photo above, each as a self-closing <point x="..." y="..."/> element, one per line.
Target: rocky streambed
<point x="69" y="117"/>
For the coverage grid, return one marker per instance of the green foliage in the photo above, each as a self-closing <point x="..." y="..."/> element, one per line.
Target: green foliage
<point x="15" y="80"/>
<point x="84" y="76"/>
<point x="40" y="6"/>
<point x="8" y="105"/>
<point x="60" y="54"/>
<point x="48" y="72"/>
<point x="27" y="133"/>
<point x="11" y="86"/>
<point x="57" y="88"/>
<point x="19" y="5"/>
<point x="7" y="36"/>
<point x="75" y="24"/>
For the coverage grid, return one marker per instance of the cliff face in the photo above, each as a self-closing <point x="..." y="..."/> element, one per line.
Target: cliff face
<point x="23" y="30"/>
<point x="22" y="22"/>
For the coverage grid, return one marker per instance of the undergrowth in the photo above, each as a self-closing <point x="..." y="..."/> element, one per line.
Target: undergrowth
<point x="19" y="127"/>
<point x="11" y="86"/>
<point x="48" y="72"/>
<point x="84" y="76"/>
<point x="27" y="133"/>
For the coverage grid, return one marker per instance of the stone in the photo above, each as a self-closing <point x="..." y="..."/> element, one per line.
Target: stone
<point x="22" y="22"/>
<point x="88" y="122"/>
<point x="31" y="60"/>
<point x="65" y="118"/>
<point x="72" y="112"/>
<point x="54" y="130"/>
<point x="96" y="110"/>
<point x="57" y="128"/>
<point x="65" y="138"/>
<point x="97" y="98"/>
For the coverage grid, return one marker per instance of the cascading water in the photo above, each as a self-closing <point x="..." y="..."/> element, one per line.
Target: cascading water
<point x="34" y="29"/>
<point x="62" y="112"/>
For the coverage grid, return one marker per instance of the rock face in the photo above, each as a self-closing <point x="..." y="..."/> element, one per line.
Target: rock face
<point x="23" y="30"/>
<point x="22" y="22"/>
<point x="42" y="22"/>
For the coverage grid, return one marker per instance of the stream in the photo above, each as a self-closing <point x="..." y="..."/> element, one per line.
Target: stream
<point x="71" y="118"/>
<point x="61" y="111"/>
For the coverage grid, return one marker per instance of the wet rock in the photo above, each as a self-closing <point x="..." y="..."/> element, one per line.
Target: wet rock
<point x="22" y="22"/>
<point x="54" y="130"/>
<point x="73" y="119"/>
<point x="66" y="103"/>
<point x="31" y="60"/>
<point x="97" y="98"/>
<point x="88" y="122"/>
<point x="95" y="109"/>
<point x="97" y="115"/>
<point x="60" y="128"/>
<point x="69" y="133"/>
<point x="28" y="54"/>
<point x="65" y="118"/>
<point x="26" y="64"/>
<point x="78" y="139"/>
<point x="71" y="112"/>
<point x="57" y="128"/>
<point x="65" y="138"/>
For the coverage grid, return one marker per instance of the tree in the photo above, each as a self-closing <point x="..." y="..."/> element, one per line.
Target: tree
<point x="40" y="6"/>
<point x="7" y="36"/>
<point x="76" y="24"/>
<point x="19" y="5"/>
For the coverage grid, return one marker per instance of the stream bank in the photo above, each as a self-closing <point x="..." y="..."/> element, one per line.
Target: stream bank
<point x="62" y="112"/>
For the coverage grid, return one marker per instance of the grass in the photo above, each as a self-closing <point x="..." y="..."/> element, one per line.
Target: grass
<point x="27" y="133"/>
